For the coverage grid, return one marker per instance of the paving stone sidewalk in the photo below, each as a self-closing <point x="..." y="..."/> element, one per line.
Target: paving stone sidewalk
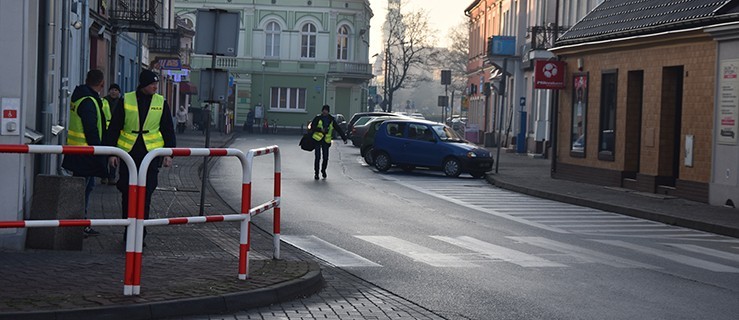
<point x="186" y="269"/>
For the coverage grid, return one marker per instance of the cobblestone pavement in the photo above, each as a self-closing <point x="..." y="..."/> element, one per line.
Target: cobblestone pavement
<point x="344" y="297"/>
<point x="179" y="262"/>
<point x="183" y="263"/>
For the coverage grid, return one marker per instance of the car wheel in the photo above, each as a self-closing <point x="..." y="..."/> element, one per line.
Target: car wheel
<point x="408" y="168"/>
<point x="477" y="174"/>
<point x="452" y="167"/>
<point x="382" y="162"/>
<point x="368" y="157"/>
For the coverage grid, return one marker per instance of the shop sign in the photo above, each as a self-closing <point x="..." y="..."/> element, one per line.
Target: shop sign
<point x="549" y="74"/>
<point x="728" y="103"/>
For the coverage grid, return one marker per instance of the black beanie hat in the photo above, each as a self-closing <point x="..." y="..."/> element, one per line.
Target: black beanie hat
<point x="114" y="86"/>
<point x="147" y="77"/>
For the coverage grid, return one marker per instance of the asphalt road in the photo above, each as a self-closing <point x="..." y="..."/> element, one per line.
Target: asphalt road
<point x="467" y="250"/>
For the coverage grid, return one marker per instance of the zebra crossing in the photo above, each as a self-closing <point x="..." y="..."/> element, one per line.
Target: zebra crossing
<point x="529" y="252"/>
<point x="551" y="215"/>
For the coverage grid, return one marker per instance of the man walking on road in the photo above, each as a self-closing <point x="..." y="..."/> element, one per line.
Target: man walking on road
<point x="323" y="126"/>
<point x="141" y="122"/>
<point x="86" y="127"/>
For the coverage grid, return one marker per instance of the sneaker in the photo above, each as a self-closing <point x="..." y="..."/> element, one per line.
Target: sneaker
<point x="315" y="176"/>
<point x="103" y="181"/>
<point x="112" y="182"/>
<point x="90" y="232"/>
<point x="324" y="174"/>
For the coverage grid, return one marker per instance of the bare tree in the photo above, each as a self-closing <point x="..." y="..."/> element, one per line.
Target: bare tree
<point x="456" y="56"/>
<point x="408" y="41"/>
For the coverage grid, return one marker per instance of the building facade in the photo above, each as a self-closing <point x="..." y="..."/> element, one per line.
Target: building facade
<point x="48" y="47"/>
<point x="525" y="116"/>
<point x="293" y="57"/>
<point x="651" y="124"/>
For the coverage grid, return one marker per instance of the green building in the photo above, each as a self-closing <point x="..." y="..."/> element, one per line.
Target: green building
<point x="293" y="57"/>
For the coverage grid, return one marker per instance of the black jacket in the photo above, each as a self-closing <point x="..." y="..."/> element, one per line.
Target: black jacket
<point x="138" y="152"/>
<point x="87" y="165"/>
<point x="314" y="125"/>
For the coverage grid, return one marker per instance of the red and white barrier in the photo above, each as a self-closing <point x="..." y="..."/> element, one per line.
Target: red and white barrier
<point x="130" y="222"/>
<point x="277" y="187"/>
<point x="136" y="200"/>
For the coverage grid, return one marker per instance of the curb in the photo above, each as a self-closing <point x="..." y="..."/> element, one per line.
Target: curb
<point x="634" y="212"/>
<point x="308" y="284"/>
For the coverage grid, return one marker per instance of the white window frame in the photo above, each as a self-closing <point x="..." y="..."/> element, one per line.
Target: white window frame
<point x="272" y="39"/>
<point x="342" y="43"/>
<point x="308" y="40"/>
<point x="288" y="99"/>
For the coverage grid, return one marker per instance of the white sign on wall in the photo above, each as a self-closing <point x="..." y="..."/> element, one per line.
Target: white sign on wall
<point x="728" y="97"/>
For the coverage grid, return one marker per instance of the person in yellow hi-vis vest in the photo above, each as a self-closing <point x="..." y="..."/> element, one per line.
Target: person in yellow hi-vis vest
<point x="322" y="129"/>
<point x="109" y="103"/>
<point x="86" y="127"/>
<point x="141" y="122"/>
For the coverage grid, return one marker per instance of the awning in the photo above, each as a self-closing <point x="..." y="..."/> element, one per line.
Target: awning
<point x="188" y="88"/>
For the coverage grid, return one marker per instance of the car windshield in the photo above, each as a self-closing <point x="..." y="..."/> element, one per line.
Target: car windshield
<point x="363" y="121"/>
<point x="447" y="134"/>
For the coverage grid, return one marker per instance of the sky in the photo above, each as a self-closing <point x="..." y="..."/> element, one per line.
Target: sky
<point x="442" y="14"/>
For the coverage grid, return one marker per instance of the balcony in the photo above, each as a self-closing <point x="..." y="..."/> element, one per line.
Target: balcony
<point x="542" y="37"/>
<point x="144" y="16"/>
<point x="165" y="41"/>
<point x="351" y="71"/>
<point x="538" y="40"/>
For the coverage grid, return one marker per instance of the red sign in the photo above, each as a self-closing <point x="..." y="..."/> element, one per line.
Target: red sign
<point x="10" y="114"/>
<point x="549" y="74"/>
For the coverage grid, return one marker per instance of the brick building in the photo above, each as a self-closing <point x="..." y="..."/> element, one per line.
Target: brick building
<point x="639" y="109"/>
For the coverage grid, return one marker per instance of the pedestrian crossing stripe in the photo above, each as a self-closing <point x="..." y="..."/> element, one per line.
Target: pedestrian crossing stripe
<point x="417" y="252"/>
<point x="486" y="252"/>
<point x="493" y="252"/>
<point x="328" y="252"/>
<point x="676" y="257"/>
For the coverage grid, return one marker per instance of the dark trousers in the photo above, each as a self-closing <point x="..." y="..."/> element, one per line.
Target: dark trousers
<point x="151" y="184"/>
<point x="321" y="147"/>
<point x="89" y="185"/>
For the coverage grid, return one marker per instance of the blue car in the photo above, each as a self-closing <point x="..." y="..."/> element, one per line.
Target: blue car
<point x="411" y="143"/>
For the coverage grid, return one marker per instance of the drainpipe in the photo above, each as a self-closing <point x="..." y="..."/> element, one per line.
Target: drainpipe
<point x="85" y="40"/>
<point x="43" y="75"/>
<point x="64" y="79"/>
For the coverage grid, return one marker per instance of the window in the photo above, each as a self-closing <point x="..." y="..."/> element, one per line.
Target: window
<point x="420" y="132"/>
<point x="292" y="99"/>
<point x="395" y="129"/>
<point x="579" y="112"/>
<point x="308" y="41"/>
<point x="342" y="43"/>
<point x="606" y="141"/>
<point x="272" y="40"/>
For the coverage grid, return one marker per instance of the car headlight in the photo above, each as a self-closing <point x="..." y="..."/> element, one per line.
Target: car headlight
<point x="471" y="154"/>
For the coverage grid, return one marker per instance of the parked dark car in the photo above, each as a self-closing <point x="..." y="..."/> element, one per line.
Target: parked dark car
<point x="358" y="115"/>
<point x="368" y="139"/>
<point x="358" y="130"/>
<point x="420" y="143"/>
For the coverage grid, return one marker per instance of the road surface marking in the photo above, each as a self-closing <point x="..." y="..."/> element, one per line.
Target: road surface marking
<point x="679" y="258"/>
<point x="328" y="252"/>
<point x="417" y="252"/>
<point x="496" y="252"/>
<point x="707" y="251"/>
<point x="586" y="255"/>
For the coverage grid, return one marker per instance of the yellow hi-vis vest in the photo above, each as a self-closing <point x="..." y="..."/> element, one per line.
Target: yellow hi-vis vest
<point x="106" y="111"/>
<point x="150" y="131"/>
<point x="76" y="133"/>
<point x="318" y="135"/>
